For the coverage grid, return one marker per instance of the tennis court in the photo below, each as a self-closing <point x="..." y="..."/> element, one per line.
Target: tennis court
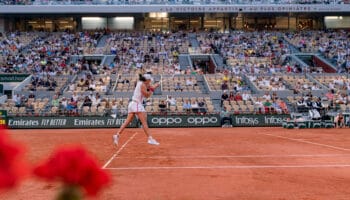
<point x="205" y="163"/>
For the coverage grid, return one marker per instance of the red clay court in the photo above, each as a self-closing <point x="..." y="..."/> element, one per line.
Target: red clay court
<point x="206" y="163"/>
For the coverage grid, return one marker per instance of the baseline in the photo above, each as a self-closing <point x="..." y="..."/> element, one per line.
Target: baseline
<point x="235" y="156"/>
<point x="232" y="167"/>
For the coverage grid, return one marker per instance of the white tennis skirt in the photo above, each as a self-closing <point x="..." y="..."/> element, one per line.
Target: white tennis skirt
<point x="135" y="107"/>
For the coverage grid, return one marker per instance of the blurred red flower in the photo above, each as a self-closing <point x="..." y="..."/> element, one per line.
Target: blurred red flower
<point x="12" y="166"/>
<point x="74" y="167"/>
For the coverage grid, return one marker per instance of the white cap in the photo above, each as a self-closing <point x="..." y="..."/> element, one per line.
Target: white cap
<point x="148" y="77"/>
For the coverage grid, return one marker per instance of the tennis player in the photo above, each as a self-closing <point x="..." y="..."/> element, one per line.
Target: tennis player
<point x="143" y="89"/>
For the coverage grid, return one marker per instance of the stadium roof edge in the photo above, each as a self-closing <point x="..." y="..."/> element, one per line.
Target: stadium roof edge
<point x="224" y="8"/>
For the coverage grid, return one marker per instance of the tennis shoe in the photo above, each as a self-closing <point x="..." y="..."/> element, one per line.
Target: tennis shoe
<point x="152" y="141"/>
<point x="116" y="139"/>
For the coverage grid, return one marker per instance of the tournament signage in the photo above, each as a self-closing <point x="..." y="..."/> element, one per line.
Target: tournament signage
<point x="3" y="116"/>
<point x="13" y="77"/>
<point x="254" y="8"/>
<point x="67" y="122"/>
<point x="177" y="8"/>
<point x="258" y="120"/>
<point x="159" y="121"/>
<point x="154" y="121"/>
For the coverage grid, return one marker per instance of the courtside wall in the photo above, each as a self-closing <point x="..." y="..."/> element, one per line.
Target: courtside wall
<point x="154" y="121"/>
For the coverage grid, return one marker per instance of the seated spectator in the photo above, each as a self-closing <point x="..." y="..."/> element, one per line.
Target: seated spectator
<point x="224" y="97"/>
<point x="71" y="87"/>
<point x="51" y="88"/>
<point x="259" y="106"/>
<point x="178" y="86"/>
<point x="103" y="88"/>
<point x="92" y="85"/>
<point x="171" y="101"/>
<point x="189" y="82"/>
<point x="318" y="104"/>
<point x="87" y="101"/>
<point x="225" y="116"/>
<point x="347" y="99"/>
<point x="52" y="83"/>
<point x="55" y="101"/>
<point x="301" y="104"/>
<point x="267" y="105"/>
<point x="275" y="108"/>
<point x="202" y="109"/>
<point x="330" y="95"/>
<point x="76" y="96"/>
<point x="23" y="100"/>
<point x="195" y="106"/>
<point x="96" y="101"/>
<point x="314" y="114"/>
<point x="238" y="97"/>
<point x="81" y="83"/>
<point x="224" y="86"/>
<point x="63" y="105"/>
<point x="315" y="87"/>
<point x="114" y="108"/>
<point x="267" y="96"/>
<point x="122" y="80"/>
<point x="72" y="107"/>
<point x="100" y="82"/>
<point x="16" y="99"/>
<point x="187" y="105"/>
<point x="32" y="88"/>
<point x="340" y="98"/>
<point x="281" y="86"/>
<point x="29" y="108"/>
<point x="246" y="96"/>
<point x="309" y="103"/>
<point x="35" y="81"/>
<point x="92" y="96"/>
<point x="123" y="111"/>
<point x="283" y="106"/>
<point x="225" y="77"/>
<point x="113" y="50"/>
<point x="231" y="96"/>
<point x="339" y="120"/>
<point x="31" y="95"/>
<point x="162" y="107"/>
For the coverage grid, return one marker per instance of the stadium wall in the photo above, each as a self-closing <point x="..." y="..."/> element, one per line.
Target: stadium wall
<point x="154" y="121"/>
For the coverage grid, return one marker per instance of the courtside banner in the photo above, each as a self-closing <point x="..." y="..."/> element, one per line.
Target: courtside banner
<point x="159" y="121"/>
<point x="3" y="117"/>
<point x="258" y="120"/>
<point x="67" y="122"/>
<point x="13" y="77"/>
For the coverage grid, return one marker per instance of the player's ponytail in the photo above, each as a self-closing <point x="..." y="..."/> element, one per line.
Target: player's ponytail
<point x="141" y="78"/>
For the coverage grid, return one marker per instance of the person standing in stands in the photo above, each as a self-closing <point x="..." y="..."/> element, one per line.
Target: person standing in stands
<point x="225" y="116"/>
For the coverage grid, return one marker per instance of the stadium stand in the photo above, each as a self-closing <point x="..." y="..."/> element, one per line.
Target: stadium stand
<point x="255" y="64"/>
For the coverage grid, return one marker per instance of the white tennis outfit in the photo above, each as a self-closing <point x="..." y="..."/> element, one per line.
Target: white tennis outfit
<point x="137" y="99"/>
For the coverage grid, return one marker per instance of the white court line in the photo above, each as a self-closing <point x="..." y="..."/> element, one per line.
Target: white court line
<point x="307" y="142"/>
<point x="230" y="167"/>
<point x="235" y="156"/>
<point x="119" y="150"/>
